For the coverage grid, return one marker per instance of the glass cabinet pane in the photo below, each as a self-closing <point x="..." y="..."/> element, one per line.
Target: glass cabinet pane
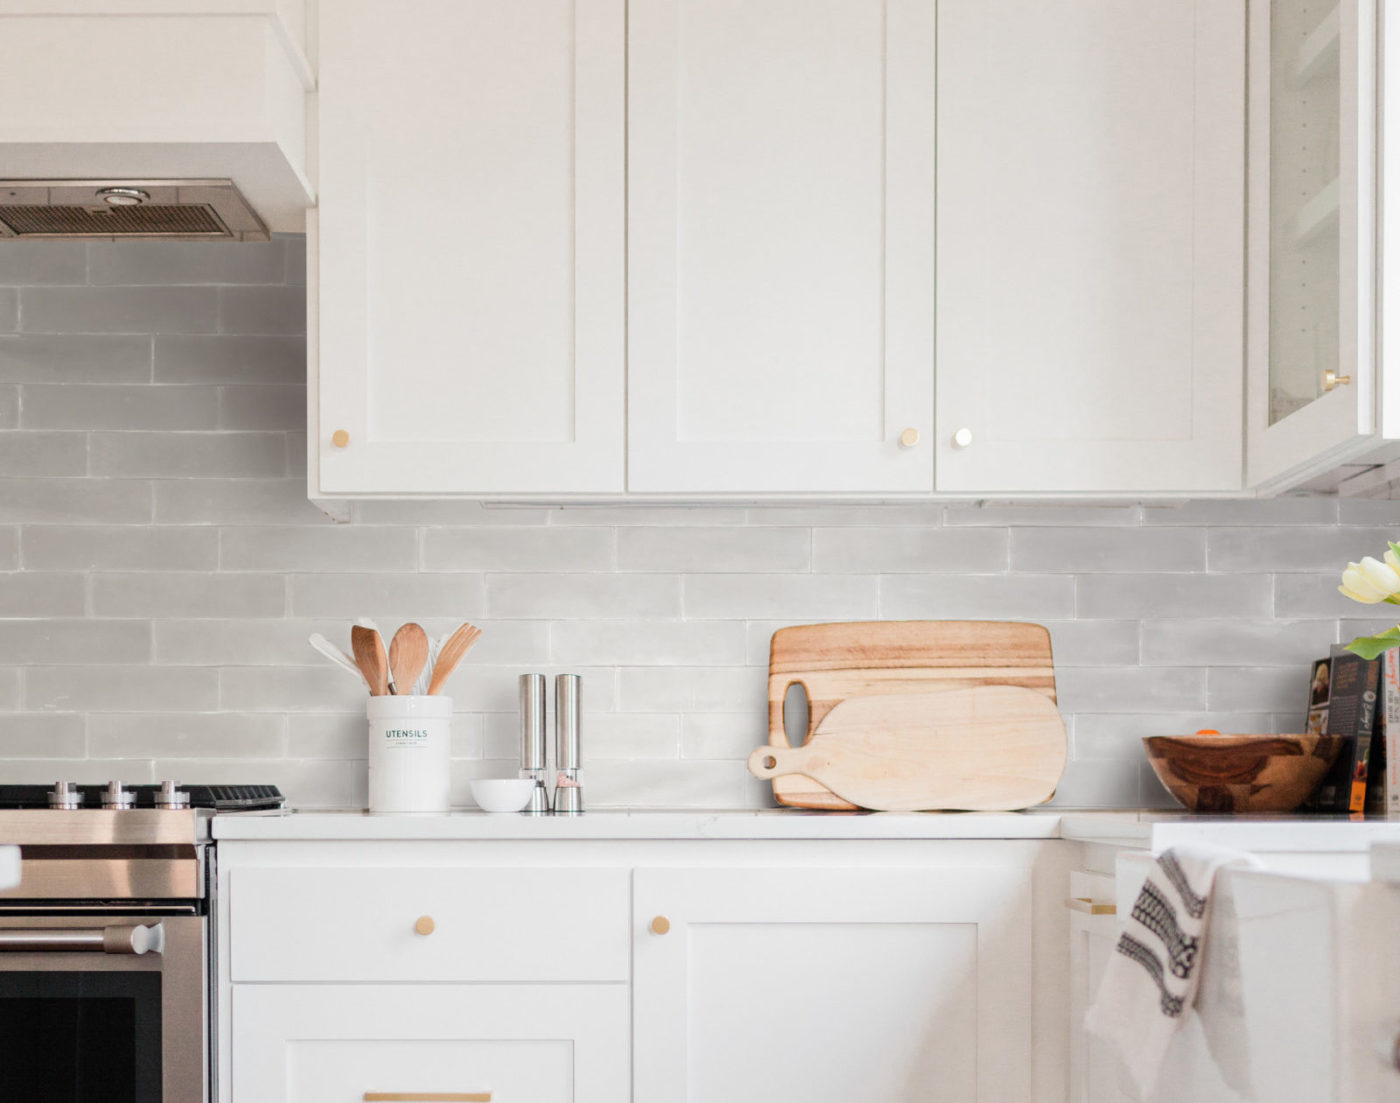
<point x="1305" y="129"/>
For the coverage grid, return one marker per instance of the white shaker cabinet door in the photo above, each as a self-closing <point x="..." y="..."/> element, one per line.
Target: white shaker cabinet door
<point x="780" y="245"/>
<point x="827" y="985"/>
<point x="467" y="299"/>
<point x="342" y="1043"/>
<point x="1091" y="204"/>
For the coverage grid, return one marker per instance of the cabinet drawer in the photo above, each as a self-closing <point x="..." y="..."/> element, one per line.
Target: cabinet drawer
<point x="343" y="1043"/>
<point x="295" y="924"/>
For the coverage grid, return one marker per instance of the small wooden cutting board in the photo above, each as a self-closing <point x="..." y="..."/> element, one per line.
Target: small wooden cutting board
<point x="990" y="748"/>
<point x="869" y="658"/>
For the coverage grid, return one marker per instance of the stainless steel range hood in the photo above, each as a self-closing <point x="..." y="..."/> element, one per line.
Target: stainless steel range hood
<point x="173" y="210"/>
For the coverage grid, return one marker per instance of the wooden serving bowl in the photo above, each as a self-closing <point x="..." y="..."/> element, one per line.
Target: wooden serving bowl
<point x="1210" y="772"/>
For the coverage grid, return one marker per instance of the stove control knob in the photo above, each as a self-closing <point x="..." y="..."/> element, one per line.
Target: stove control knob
<point x="65" y="795"/>
<point x="171" y="797"/>
<point x="117" y="797"/>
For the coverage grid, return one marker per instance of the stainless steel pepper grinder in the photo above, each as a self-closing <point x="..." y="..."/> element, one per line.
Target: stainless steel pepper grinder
<point x="532" y="742"/>
<point x="568" y="788"/>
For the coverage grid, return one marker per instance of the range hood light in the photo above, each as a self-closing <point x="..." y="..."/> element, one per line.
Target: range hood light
<point x="124" y="197"/>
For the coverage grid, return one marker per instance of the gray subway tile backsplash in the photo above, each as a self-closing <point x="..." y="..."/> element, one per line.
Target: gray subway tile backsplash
<point x="166" y="263"/>
<point x="161" y="568"/>
<point x="118" y="310"/>
<point x="124" y="406"/>
<point x="241" y="361"/>
<point x="119" y="547"/>
<point x="187" y="594"/>
<point x="43" y="454"/>
<point x="188" y="455"/>
<point x="42" y="594"/>
<point x="26" y="263"/>
<point x="51" y="358"/>
<point x="87" y="642"/>
<point x="75" y="501"/>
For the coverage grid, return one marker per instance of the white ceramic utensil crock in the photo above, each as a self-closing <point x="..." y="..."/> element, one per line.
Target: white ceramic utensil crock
<point x="410" y="754"/>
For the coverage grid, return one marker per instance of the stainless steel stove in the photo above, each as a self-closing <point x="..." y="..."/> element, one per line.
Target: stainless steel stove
<point x="106" y="943"/>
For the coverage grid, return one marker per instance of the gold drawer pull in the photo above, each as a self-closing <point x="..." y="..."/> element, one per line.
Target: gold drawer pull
<point x="425" y="925"/>
<point x="427" y="1097"/>
<point x="1088" y="907"/>
<point x="660" y="925"/>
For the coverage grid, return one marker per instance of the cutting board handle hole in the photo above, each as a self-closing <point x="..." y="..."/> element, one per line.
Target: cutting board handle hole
<point x="797" y="715"/>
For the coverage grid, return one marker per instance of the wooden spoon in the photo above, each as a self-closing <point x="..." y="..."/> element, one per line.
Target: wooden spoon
<point x="457" y="645"/>
<point x="408" y="654"/>
<point x="368" y="646"/>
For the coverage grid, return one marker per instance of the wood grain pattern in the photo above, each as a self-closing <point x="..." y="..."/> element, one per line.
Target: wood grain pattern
<point x="1241" y="773"/>
<point x="864" y="658"/>
<point x="453" y="650"/>
<point x="371" y="658"/>
<point x="408" y="655"/>
<point x="983" y="749"/>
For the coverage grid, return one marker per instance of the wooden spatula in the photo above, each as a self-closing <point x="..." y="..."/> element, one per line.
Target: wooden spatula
<point x="457" y="645"/>
<point x="368" y="647"/>
<point x="408" y="654"/>
<point x="989" y="748"/>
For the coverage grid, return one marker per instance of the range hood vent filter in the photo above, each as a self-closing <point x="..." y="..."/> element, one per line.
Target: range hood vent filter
<point x="151" y="221"/>
<point x="189" y="210"/>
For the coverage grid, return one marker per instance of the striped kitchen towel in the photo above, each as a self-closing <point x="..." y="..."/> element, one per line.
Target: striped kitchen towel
<point x="1150" y="983"/>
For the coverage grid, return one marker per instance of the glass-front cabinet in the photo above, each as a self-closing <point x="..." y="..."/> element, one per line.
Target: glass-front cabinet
<point x="1312" y="234"/>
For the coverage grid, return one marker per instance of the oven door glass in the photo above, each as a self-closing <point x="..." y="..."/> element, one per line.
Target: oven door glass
<point x="83" y="1037"/>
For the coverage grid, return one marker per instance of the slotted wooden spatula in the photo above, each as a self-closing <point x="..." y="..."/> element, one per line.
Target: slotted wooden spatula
<point x="989" y="748"/>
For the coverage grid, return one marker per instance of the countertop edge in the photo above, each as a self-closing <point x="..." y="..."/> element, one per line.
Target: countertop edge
<point x="632" y="825"/>
<point x="1144" y="830"/>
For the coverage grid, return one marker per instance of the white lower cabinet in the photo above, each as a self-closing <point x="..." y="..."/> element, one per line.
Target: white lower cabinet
<point x="506" y="1044"/>
<point x="660" y="971"/>
<point x="825" y="985"/>
<point x="1093" y="934"/>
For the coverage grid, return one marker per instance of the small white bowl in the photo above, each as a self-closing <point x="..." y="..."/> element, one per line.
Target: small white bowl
<point x="502" y="794"/>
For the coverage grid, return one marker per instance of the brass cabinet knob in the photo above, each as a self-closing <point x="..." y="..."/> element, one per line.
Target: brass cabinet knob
<point x="340" y="438"/>
<point x="425" y="925"/>
<point x="1331" y="380"/>
<point x="963" y="437"/>
<point x="909" y="438"/>
<point x="660" y="925"/>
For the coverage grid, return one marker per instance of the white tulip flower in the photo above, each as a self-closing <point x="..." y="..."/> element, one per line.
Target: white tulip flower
<point x="1372" y="581"/>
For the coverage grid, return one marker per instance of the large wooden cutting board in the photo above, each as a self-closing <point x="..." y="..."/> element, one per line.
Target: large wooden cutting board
<point x="868" y="658"/>
<point x="986" y="749"/>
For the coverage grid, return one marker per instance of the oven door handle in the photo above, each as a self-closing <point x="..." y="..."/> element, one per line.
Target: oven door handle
<point x="84" y="940"/>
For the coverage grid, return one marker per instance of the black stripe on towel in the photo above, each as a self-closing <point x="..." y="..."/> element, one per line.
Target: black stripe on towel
<point x="1131" y="947"/>
<point x="1195" y="905"/>
<point x="1155" y="912"/>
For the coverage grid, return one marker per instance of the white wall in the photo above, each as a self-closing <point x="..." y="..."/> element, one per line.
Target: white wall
<point x="160" y="570"/>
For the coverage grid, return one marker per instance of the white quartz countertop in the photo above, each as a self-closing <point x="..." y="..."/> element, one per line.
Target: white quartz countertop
<point x="642" y="824"/>
<point x="1158" y="830"/>
<point x="1149" y="830"/>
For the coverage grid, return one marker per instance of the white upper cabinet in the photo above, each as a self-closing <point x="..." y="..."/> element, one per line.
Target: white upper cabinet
<point x="780" y="246"/>
<point x="1312" y="370"/>
<point x="468" y="286"/>
<point x="1091" y="206"/>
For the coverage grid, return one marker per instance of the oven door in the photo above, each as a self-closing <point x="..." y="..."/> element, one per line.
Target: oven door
<point x="103" y="1007"/>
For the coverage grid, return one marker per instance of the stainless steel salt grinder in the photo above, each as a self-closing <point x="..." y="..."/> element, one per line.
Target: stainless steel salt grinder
<point x="568" y="789"/>
<point x="532" y="742"/>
